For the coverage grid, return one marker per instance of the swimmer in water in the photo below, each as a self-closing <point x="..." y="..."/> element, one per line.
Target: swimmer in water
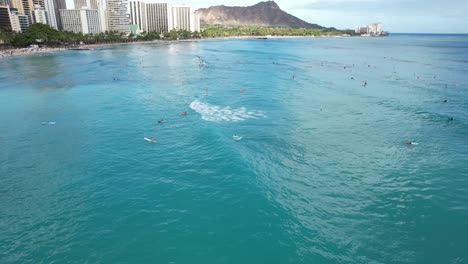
<point x="183" y="113"/>
<point x="445" y="101"/>
<point x="365" y="84"/>
<point x="161" y="121"/>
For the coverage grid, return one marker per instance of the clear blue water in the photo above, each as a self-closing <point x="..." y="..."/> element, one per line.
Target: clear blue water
<point x="322" y="174"/>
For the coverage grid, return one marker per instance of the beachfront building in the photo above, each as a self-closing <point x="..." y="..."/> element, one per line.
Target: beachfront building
<point x="99" y="5"/>
<point x="39" y="15"/>
<point x="12" y="20"/>
<point x="19" y="22"/>
<point x="183" y="18"/>
<point x="159" y="17"/>
<point x="59" y="4"/>
<point x="5" y="22"/>
<point x="102" y="9"/>
<point x="24" y="7"/>
<point x="85" y="21"/>
<point x="374" y="29"/>
<point x="163" y="17"/>
<point x="23" y="21"/>
<point x="361" y="30"/>
<point x="51" y="16"/>
<point x="117" y="18"/>
<point x="138" y="16"/>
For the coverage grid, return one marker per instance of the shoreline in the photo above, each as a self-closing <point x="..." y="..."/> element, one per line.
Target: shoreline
<point x="18" y="52"/>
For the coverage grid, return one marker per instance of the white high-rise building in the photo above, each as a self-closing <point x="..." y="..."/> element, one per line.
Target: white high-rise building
<point x="159" y="17"/>
<point x="51" y="15"/>
<point x="185" y="18"/>
<point x="138" y="15"/>
<point x="15" y="22"/>
<point x="163" y="17"/>
<point x="117" y="18"/>
<point x="39" y="15"/>
<point x="102" y="15"/>
<point x="99" y="5"/>
<point x="374" y="29"/>
<point x="19" y="22"/>
<point x="92" y="4"/>
<point x="85" y="21"/>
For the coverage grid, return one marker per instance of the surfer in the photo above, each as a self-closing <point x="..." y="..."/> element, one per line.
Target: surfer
<point x="243" y="91"/>
<point x="161" y="121"/>
<point x="352" y="78"/>
<point x="411" y="142"/>
<point x="152" y="139"/>
<point x="445" y="101"/>
<point x="365" y="84"/>
<point x="183" y="113"/>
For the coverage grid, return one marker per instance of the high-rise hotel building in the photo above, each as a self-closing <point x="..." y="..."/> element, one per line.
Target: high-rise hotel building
<point x="159" y="17"/>
<point x="163" y="17"/>
<point x="99" y="5"/>
<point x="117" y="16"/>
<point x="59" y="4"/>
<point x="49" y="6"/>
<point x="12" y="20"/>
<point x="85" y="21"/>
<point x="5" y="23"/>
<point x="39" y="15"/>
<point x="138" y="15"/>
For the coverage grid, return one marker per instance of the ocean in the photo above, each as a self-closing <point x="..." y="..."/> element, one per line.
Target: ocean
<point x="322" y="173"/>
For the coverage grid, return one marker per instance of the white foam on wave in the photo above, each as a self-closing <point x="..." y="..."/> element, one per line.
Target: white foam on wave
<point x="215" y="113"/>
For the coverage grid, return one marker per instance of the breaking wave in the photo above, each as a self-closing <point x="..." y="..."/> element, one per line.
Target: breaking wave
<point x="215" y="113"/>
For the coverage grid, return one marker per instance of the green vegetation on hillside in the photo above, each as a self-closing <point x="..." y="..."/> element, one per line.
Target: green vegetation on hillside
<point x="230" y="31"/>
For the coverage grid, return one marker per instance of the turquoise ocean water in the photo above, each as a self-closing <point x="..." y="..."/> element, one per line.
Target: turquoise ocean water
<point x="322" y="174"/>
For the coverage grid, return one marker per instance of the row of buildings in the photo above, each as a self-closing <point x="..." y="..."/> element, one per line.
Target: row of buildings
<point x="374" y="29"/>
<point x="96" y="16"/>
<point x="163" y="17"/>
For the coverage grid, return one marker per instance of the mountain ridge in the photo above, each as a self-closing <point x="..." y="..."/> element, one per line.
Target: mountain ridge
<point x="266" y="13"/>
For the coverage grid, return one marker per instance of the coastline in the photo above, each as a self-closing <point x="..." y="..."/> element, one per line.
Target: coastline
<point x="18" y="52"/>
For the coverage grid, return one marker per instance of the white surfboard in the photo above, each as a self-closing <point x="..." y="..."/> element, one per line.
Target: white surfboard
<point x="149" y="140"/>
<point x="236" y="138"/>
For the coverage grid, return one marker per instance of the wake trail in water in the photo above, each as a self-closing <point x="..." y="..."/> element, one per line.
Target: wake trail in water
<point x="215" y="113"/>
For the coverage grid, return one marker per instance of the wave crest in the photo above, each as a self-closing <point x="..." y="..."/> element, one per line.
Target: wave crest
<point x="215" y="113"/>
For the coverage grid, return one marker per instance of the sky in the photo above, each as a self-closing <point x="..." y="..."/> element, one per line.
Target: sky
<point x="403" y="16"/>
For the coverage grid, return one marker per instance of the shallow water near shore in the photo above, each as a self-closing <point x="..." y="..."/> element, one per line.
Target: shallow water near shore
<point x="322" y="174"/>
